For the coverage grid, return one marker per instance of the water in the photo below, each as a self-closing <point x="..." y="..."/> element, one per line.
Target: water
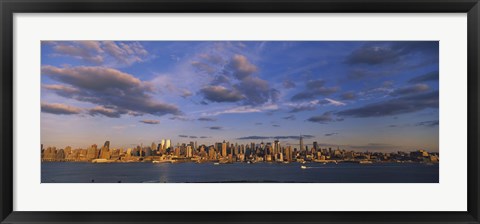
<point x="58" y="172"/>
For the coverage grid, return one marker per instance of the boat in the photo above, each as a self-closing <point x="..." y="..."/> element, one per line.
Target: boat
<point x="163" y="161"/>
<point x="100" y="161"/>
<point x="216" y="163"/>
<point x="303" y="167"/>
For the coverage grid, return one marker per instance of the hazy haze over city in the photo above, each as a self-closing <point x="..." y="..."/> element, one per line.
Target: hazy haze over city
<point x="358" y="95"/>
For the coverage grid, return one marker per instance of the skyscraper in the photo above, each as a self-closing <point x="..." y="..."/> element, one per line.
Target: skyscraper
<point x="315" y="146"/>
<point x="288" y="153"/>
<point x="153" y="147"/>
<point x="276" y="147"/>
<point x="168" y="144"/>
<point x="301" y="143"/>
<point x="189" y="151"/>
<point x="107" y="144"/>
<point x="163" y="144"/>
<point x="224" y="149"/>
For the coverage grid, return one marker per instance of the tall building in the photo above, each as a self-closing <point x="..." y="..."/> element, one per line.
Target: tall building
<point x="107" y="144"/>
<point x="211" y="153"/>
<point x="168" y="144"/>
<point x="288" y="153"/>
<point x="224" y="149"/>
<point x="153" y="147"/>
<point x="105" y="151"/>
<point x="276" y="147"/>
<point x="163" y="145"/>
<point x="301" y="143"/>
<point x="315" y="146"/>
<point x="92" y="152"/>
<point x="189" y="151"/>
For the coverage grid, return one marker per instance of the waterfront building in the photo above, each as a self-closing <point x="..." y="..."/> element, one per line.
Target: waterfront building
<point x="224" y="149"/>
<point x="211" y="153"/>
<point x="276" y="147"/>
<point x="153" y="147"/>
<point x="177" y="152"/>
<point x="301" y="143"/>
<point x="189" y="151"/>
<point x="168" y="143"/>
<point x="92" y="152"/>
<point x="288" y="153"/>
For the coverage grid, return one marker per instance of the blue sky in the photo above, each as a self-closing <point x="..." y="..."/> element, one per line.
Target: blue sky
<point x="359" y="95"/>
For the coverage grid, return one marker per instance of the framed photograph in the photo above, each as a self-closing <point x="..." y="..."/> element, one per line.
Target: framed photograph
<point x="239" y="111"/>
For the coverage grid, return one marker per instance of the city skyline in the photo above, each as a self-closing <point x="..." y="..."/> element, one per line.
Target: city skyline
<point x="358" y="95"/>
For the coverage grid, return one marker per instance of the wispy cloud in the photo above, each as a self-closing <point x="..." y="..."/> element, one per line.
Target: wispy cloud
<point x="215" y="128"/>
<point x="108" y="112"/>
<point x="428" y="123"/>
<point x="314" y="88"/>
<point x="207" y="119"/>
<point x="243" y="109"/>
<point x="401" y="105"/>
<point x="150" y="121"/>
<point x="325" y="118"/>
<point x="58" y="108"/>
<point x="256" y="137"/>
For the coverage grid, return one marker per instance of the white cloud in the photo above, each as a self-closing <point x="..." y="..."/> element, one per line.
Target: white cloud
<point x="243" y="109"/>
<point x="335" y="102"/>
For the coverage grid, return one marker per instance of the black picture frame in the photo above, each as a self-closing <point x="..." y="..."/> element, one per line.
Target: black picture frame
<point x="9" y="7"/>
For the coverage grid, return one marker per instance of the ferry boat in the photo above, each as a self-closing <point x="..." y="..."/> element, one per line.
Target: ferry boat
<point x="216" y="163"/>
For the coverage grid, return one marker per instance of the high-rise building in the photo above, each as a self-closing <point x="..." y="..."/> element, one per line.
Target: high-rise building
<point x="168" y="144"/>
<point x="153" y="147"/>
<point x="105" y="151"/>
<point x="276" y="147"/>
<point x="189" y="151"/>
<point x="288" y="153"/>
<point x="211" y="153"/>
<point x="162" y="143"/>
<point x="107" y="144"/>
<point x="224" y="149"/>
<point x="301" y="143"/>
<point x="92" y="152"/>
